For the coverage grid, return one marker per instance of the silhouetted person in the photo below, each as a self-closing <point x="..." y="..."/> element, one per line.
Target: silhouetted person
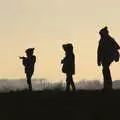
<point x="69" y="65"/>
<point x="107" y="53"/>
<point x="28" y="63"/>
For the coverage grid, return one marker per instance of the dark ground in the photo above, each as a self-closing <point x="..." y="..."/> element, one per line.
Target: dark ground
<point x="58" y="105"/>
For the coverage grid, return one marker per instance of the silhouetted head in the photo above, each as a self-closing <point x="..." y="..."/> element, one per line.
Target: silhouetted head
<point x="29" y="51"/>
<point x="104" y="32"/>
<point x="68" y="48"/>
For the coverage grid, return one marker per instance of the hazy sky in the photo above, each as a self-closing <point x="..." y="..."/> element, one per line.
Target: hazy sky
<point x="46" y="25"/>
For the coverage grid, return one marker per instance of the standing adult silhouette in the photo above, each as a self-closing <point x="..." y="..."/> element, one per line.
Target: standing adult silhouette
<point x="68" y="65"/>
<point x="28" y="63"/>
<point x="107" y="52"/>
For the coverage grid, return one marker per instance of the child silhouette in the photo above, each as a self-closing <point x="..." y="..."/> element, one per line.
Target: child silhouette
<point x="68" y="65"/>
<point x="28" y="63"/>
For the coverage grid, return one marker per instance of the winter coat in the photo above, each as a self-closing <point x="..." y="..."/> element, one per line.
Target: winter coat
<point x="107" y="50"/>
<point x="69" y="64"/>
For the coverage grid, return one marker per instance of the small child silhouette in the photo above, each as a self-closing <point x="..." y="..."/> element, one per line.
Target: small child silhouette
<point x="28" y="63"/>
<point x="68" y="65"/>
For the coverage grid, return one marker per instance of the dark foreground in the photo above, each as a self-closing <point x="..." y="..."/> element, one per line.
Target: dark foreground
<point x="58" y="105"/>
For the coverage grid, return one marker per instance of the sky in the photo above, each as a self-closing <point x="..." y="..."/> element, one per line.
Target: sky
<point x="46" y="25"/>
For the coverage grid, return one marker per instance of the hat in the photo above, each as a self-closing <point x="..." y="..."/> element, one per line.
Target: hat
<point x="103" y="30"/>
<point x="29" y="50"/>
<point x="67" y="46"/>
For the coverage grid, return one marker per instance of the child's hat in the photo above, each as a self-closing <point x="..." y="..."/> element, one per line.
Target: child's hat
<point x="67" y="46"/>
<point x="29" y="50"/>
<point x="103" y="30"/>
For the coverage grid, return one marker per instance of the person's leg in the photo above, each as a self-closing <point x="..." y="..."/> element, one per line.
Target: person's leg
<point x="29" y="82"/>
<point x="107" y="77"/>
<point x="67" y="83"/>
<point x="72" y="83"/>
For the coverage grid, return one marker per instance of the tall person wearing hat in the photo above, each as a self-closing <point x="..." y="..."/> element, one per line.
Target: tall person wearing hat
<point x="107" y="52"/>
<point x="28" y="63"/>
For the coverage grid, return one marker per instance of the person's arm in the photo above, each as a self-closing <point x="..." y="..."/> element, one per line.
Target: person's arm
<point x="24" y="61"/>
<point x="99" y="51"/>
<point x="116" y="45"/>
